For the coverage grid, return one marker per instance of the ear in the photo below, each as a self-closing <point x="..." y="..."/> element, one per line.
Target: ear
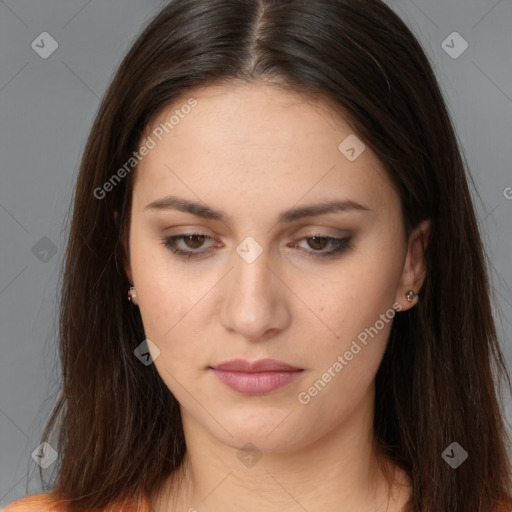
<point x="414" y="271"/>
<point x="128" y="270"/>
<point x="126" y="259"/>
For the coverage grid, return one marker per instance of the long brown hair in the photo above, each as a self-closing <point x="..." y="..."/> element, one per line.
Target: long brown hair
<point x="119" y="426"/>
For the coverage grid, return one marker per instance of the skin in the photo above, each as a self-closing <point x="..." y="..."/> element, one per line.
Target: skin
<point x="254" y="151"/>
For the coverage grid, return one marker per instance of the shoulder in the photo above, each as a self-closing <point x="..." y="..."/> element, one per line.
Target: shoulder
<point x="44" y="502"/>
<point x="47" y="502"/>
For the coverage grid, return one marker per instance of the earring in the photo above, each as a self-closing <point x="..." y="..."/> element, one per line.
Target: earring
<point x="131" y="293"/>
<point x="410" y="295"/>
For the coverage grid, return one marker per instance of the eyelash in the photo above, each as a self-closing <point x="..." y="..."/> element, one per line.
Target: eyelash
<point x="170" y="242"/>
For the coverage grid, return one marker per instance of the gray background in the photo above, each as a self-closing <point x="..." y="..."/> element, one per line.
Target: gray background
<point x="46" y="109"/>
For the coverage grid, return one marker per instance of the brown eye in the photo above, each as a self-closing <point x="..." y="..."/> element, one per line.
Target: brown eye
<point x="187" y="245"/>
<point x="194" y="241"/>
<point x="319" y="242"/>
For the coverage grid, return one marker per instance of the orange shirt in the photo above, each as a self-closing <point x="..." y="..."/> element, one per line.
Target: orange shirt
<point x="46" y="502"/>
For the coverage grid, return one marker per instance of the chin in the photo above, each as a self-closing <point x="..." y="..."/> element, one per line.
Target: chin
<point x="274" y="430"/>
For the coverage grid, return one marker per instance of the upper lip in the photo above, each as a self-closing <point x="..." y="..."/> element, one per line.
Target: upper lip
<point x="261" y="365"/>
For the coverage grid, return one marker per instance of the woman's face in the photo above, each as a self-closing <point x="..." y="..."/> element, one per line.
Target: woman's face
<point x="268" y="274"/>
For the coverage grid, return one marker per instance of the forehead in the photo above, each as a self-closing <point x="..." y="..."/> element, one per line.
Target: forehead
<point x="261" y="143"/>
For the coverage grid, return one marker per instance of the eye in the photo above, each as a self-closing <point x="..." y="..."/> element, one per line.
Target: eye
<point x="319" y="242"/>
<point x="189" y="245"/>
<point x="192" y="241"/>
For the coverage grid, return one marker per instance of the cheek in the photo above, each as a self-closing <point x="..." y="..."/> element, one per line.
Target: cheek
<point x="169" y="307"/>
<point x="343" y="369"/>
<point x="356" y="303"/>
<point x="163" y="296"/>
<point x="364" y="288"/>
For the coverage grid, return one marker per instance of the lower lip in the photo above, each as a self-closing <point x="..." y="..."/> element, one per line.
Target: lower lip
<point x="254" y="383"/>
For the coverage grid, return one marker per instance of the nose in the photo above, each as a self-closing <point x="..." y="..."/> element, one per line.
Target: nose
<point x="256" y="300"/>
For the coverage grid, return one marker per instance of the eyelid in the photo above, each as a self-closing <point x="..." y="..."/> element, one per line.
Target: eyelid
<point x="174" y="239"/>
<point x="341" y="244"/>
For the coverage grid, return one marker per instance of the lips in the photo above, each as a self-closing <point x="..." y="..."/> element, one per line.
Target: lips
<point x="257" y="377"/>
<point x="262" y="365"/>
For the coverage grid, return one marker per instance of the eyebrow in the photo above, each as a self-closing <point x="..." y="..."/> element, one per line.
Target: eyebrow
<point x="286" y="216"/>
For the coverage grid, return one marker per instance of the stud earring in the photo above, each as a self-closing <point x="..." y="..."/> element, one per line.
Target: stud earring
<point x="131" y="293"/>
<point x="410" y="295"/>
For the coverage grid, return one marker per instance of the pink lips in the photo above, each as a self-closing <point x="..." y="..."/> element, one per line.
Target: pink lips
<point x="255" y="377"/>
